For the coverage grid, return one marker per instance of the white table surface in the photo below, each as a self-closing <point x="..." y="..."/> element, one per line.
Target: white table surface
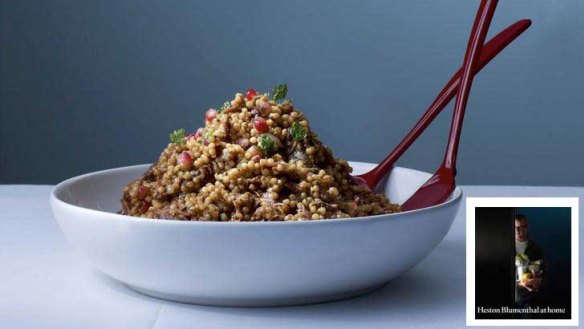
<point x="44" y="283"/>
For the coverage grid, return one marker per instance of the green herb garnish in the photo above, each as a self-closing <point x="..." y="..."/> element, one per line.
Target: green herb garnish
<point x="266" y="144"/>
<point x="280" y="92"/>
<point x="224" y="107"/>
<point x="297" y="131"/>
<point x="178" y="136"/>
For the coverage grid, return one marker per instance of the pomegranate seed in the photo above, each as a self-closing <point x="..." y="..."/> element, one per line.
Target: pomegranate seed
<point x="199" y="133"/>
<point x="260" y="124"/>
<point x="195" y="135"/>
<point x="210" y="115"/>
<point x="144" y="207"/>
<point x="142" y="192"/>
<point x="250" y="94"/>
<point x="185" y="160"/>
<point x="255" y="153"/>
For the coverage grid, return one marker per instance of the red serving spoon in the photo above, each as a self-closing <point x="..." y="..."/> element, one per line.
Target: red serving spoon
<point x="439" y="187"/>
<point x="490" y="51"/>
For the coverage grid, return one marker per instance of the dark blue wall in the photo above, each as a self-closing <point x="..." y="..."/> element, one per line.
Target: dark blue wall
<point x="550" y="228"/>
<point x="86" y="85"/>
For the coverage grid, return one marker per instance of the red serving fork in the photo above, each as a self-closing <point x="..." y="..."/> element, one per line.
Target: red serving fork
<point x="490" y="51"/>
<point x="439" y="187"/>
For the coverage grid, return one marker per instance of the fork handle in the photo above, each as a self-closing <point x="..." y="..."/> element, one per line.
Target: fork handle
<point x="490" y="51"/>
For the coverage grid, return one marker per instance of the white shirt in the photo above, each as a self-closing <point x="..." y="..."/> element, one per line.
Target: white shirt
<point x="520" y="247"/>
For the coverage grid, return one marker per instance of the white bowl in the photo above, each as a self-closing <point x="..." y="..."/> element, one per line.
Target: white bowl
<point x="248" y="263"/>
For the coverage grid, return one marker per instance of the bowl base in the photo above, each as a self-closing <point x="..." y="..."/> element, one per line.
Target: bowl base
<point x="254" y="302"/>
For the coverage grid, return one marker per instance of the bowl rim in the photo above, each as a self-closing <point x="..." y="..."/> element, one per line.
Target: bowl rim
<point x="54" y="200"/>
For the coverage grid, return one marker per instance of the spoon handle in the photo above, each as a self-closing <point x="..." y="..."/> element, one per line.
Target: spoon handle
<point x="490" y="51"/>
<point x="471" y="58"/>
<point x="442" y="183"/>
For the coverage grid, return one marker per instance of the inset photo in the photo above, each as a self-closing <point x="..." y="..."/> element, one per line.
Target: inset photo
<point x="522" y="261"/>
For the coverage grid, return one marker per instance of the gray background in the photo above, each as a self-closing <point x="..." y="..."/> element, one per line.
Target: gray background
<point x="89" y="85"/>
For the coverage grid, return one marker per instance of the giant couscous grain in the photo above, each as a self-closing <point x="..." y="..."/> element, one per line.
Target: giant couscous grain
<point x="256" y="159"/>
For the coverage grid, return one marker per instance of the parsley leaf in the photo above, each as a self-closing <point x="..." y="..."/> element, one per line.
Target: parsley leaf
<point x="266" y="144"/>
<point x="224" y="107"/>
<point x="297" y="131"/>
<point x="178" y="136"/>
<point x="280" y="92"/>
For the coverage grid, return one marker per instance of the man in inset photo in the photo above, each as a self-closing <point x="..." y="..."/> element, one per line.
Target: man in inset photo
<point x="512" y="279"/>
<point x="529" y="265"/>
